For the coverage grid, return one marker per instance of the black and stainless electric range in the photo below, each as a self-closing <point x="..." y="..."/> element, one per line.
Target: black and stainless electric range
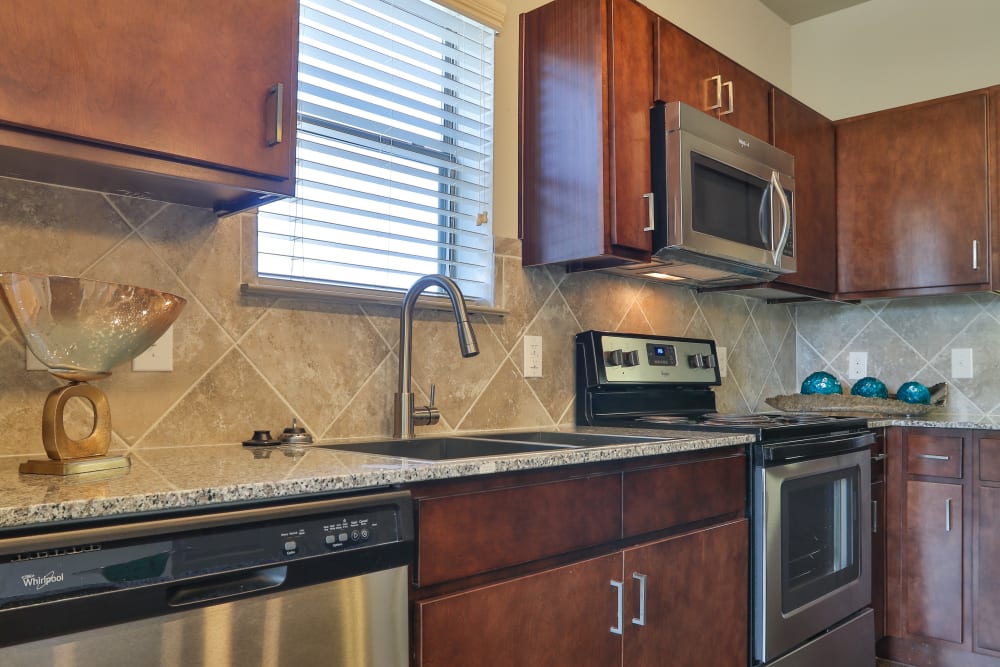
<point x="809" y="482"/>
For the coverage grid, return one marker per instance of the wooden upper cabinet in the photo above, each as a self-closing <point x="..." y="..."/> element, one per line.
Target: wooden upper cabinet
<point x="690" y="71"/>
<point x="810" y="137"/>
<point x="177" y="88"/>
<point x="913" y="199"/>
<point x="586" y="84"/>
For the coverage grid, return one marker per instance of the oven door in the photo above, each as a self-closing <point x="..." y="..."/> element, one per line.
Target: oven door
<point x="813" y="547"/>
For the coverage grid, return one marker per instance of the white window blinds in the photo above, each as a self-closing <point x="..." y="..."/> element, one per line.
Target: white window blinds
<point x="394" y="151"/>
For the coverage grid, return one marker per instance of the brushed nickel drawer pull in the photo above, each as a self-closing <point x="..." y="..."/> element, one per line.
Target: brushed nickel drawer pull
<point x="277" y="91"/>
<point x="717" y="79"/>
<point x="620" y="627"/>
<point x="933" y="457"/>
<point x="879" y="457"/>
<point x="641" y="578"/>
<point x="874" y="516"/>
<point x="648" y="196"/>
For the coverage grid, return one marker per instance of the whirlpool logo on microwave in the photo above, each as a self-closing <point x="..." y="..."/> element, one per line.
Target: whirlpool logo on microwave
<point x="38" y="582"/>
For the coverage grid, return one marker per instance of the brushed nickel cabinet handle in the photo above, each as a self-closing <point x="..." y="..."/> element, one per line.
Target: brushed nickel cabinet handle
<point x="717" y="80"/>
<point x="275" y="95"/>
<point x="874" y="516"/>
<point x="732" y="103"/>
<point x="933" y="457"/>
<point x="879" y="457"/>
<point x="947" y="515"/>
<point x="620" y="627"/>
<point x="641" y="578"/>
<point x="648" y="196"/>
<point x="975" y="255"/>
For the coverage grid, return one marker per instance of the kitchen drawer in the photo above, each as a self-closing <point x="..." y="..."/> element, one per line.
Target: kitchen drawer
<point x="665" y="496"/>
<point x="471" y="533"/>
<point x="989" y="459"/>
<point x="934" y="455"/>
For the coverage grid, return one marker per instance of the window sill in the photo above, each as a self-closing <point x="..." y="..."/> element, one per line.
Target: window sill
<point x="359" y="295"/>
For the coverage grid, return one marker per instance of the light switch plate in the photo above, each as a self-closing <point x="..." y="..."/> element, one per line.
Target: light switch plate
<point x="961" y="363"/>
<point x="532" y="356"/>
<point x="159" y="356"/>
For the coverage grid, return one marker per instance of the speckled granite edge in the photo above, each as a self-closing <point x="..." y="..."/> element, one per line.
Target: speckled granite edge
<point x="198" y="477"/>
<point x="944" y="421"/>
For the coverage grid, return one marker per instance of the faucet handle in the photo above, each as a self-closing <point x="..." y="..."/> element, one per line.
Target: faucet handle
<point x="427" y="415"/>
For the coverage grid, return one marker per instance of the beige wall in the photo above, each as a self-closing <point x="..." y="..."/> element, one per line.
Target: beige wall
<point x="885" y="53"/>
<point x="744" y="30"/>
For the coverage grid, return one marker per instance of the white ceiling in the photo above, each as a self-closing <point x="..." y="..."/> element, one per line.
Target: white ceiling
<point x="797" y="11"/>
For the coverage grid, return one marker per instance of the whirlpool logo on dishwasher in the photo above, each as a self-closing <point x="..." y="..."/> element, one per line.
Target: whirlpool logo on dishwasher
<point x="39" y="582"/>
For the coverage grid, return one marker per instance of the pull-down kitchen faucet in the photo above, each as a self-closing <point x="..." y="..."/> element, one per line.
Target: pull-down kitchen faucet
<point x="405" y="415"/>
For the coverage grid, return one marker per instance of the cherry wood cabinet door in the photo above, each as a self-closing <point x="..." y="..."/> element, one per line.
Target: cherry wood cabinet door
<point x="558" y="618"/>
<point x="747" y="101"/>
<point x="912" y="199"/>
<point x="933" y="560"/>
<point x="690" y="71"/>
<point x="184" y="79"/>
<point x="696" y="589"/>
<point x="586" y="86"/>
<point x="810" y="137"/>
<point x="986" y="537"/>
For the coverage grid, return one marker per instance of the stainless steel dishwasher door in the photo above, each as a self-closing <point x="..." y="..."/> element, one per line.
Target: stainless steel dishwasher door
<point x="355" y="622"/>
<point x="298" y="584"/>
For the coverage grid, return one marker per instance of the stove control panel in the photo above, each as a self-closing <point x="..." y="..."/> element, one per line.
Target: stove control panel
<point x="632" y="358"/>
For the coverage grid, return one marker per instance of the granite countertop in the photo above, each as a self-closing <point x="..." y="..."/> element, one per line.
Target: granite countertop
<point x="179" y="478"/>
<point x="935" y="420"/>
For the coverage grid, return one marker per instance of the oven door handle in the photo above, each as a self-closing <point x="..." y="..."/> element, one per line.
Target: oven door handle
<point x="814" y="448"/>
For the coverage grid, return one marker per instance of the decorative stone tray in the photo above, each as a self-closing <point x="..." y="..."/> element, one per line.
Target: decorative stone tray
<point x="863" y="404"/>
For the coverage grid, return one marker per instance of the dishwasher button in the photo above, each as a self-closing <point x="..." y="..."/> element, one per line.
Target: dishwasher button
<point x="364" y="533"/>
<point x="355" y="536"/>
<point x="342" y="537"/>
<point x="291" y="547"/>
<point x="331" y="540"/>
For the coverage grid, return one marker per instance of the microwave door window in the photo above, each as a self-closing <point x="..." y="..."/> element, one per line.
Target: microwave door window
<point x="730" y="204"/>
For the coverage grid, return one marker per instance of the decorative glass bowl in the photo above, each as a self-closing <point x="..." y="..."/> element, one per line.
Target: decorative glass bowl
<point x="871" y="387"/>
<point x="821" y="383"/>
<point x="80" y="328"/>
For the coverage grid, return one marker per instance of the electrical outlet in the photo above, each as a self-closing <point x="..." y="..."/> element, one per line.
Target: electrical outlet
<point x="857" y="365"/>
<point x="722" y="356"/>
<point x="159" y="356"/>
<point x="532" y="357"/>
<point x="961" y="363"/>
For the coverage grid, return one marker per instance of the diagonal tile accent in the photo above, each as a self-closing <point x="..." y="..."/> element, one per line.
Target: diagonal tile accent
<point x="55" y="230"/>
<point x="727" y="316"/>
<point x="506" y="403"/>
<point x="951" y="316"/>
<point x="523" y="292"/>
<point x="316" y="356"/>
<point x="190" y="239"/>
<point x="225" y="406"/>
<point x="599" y="301"/>
<point x="552" y="389"/>
<point x="198" y="343"/>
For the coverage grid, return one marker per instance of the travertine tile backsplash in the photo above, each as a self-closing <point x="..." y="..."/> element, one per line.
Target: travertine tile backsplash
<point x="909" y="339"/>
<point x="242" y="363"/>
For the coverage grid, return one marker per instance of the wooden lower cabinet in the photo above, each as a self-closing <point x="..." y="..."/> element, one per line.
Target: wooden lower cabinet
<point x="561" y="616"/>
<point x="696" y="599"/>
<point x="932" y="560"/>
<point x="695" y="610"/>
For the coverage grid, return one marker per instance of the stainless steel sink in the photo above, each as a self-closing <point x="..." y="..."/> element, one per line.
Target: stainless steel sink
<point x="447" y="448"/>
<point x="568" y="439"/>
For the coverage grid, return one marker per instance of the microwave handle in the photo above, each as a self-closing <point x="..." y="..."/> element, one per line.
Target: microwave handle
<point x="764" y="217"/>
<point x="786" y="217"/>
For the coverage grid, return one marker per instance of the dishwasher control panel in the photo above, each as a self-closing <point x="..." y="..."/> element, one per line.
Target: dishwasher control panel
<point x="272" y="537"/>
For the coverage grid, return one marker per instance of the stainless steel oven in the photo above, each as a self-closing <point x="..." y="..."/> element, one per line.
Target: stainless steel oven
<point x="812" y="573"/>
<point x="810" y="488"/>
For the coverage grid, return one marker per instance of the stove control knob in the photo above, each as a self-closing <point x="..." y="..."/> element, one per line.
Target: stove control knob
<point x="710" y="361"/>
<point x="632" y="358"/>
<point x="696" y="360"/>
<point x="614" y="358"/>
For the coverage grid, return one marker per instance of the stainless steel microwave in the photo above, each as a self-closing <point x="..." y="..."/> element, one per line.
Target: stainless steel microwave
<point x="723" y="201"/>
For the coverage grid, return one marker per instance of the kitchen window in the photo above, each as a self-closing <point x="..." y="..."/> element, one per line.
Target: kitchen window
<point x="393" y="155"/>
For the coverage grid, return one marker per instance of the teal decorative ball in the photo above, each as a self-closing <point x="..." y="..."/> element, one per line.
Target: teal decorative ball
<point x="914" y="392"/>
<point x="870" y="387"/>
<point x="821" y="383"/>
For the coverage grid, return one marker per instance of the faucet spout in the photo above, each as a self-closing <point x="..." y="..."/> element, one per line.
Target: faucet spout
<point x="404" y="412"/>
